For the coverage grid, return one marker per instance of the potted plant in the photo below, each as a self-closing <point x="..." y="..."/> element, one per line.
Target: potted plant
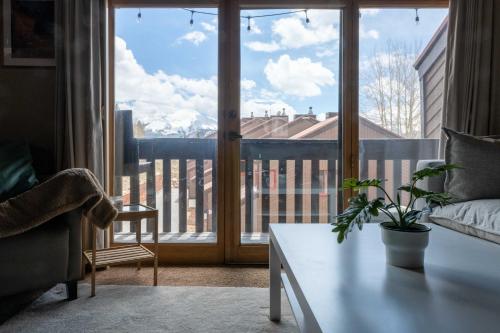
<point x="404" y="238"/>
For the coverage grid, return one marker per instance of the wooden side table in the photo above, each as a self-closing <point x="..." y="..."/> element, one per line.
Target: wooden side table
<point x="135" y="253"/>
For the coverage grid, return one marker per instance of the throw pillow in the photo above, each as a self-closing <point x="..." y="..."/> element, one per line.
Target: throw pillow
<point x="479" y="159"/>
<point x="16" y="171"/>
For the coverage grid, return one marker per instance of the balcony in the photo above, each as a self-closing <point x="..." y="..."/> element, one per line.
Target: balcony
<point x="282" y="180"/>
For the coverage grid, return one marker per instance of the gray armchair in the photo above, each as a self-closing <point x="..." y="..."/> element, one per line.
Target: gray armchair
<point x="42" y="257"/>
<point x="46" y="255"/>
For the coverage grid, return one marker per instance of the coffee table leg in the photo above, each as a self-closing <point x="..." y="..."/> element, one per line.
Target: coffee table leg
<point x="274" y="283"/>
<point x="155" y="282"/>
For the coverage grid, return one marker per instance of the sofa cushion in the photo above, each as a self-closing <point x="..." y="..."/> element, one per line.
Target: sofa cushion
<point x="479" y="159"/>
<point x="480" y="218"/>
<point x="16" y="171"/>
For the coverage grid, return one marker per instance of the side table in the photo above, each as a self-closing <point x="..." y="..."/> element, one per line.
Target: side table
<point x="135" y="253"/>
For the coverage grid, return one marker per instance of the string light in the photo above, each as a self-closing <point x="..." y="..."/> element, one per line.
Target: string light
<point x="139" y="16"/>
<point x="248" y="17"/>
<point x="417" y="19"/>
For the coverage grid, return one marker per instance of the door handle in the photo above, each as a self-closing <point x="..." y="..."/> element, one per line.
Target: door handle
<point x="234" y="136"/>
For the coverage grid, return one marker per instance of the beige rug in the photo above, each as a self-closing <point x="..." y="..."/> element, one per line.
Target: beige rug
<point x="152" y="309"/>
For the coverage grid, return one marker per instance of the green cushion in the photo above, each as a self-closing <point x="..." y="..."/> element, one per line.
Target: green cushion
<point x="16" y="170"/>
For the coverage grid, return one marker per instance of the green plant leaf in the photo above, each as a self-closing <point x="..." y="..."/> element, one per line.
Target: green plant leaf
<point x="355" y="184"/>
<point x="433" y="171"/>
<point x="412" y="216"/>
<point x="360" y="211"/>
<point x="441" y="199"/>
<point x="417" y="192"/>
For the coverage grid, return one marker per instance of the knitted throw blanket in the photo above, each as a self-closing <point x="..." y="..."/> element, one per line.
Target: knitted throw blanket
<point x="65" y="191"/>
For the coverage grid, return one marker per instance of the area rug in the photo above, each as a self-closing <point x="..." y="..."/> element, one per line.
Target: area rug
<point x="152" y="309"/>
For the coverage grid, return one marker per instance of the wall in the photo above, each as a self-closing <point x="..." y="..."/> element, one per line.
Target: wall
<point x="27" y="96"/>
<point x="431" y="71"/>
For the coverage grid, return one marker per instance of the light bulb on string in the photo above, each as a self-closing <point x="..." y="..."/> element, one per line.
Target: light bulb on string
<point x="139" y="16"/>
<point x="417" y="19"/>
<point x="249" y="18"/>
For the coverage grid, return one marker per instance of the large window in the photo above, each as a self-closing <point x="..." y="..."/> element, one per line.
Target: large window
<point x="228" y="133"/>
<point x="166" y="120"/>
<point x="401" y="66"/>
<point x="289" y="118"/>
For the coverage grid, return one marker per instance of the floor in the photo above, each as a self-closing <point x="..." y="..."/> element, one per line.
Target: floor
<point x="152" y="309"/>
<point x="209" y="276"/>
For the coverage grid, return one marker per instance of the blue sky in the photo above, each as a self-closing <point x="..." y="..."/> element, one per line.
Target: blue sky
<point x="167" y="69"/>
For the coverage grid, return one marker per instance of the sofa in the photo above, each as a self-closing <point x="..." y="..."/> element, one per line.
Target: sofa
<point x="480" y="218"/>
<point x="42" y="257"/>
<point x="46" y="255"/>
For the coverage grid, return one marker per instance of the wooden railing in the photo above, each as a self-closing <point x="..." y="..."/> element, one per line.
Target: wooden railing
<point x="295" y="160"/>
<point x="181" y="150"/>
<point x="297" y="152"/>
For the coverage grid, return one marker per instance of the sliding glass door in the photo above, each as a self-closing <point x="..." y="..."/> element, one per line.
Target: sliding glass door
<point x="166" y="127"/>
<point x="288" y="131"/>
<point x="289" y="119"/>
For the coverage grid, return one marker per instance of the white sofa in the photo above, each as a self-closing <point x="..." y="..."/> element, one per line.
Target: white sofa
<point x="480" y="218"/>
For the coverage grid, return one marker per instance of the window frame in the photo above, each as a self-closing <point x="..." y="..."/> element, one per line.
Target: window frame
<point x="228" y="248"/>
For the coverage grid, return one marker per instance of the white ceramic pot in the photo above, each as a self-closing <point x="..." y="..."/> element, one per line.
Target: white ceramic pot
<point x="405" y="248"/>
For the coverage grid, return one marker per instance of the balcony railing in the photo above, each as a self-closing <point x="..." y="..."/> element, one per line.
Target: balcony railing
<point x="283" y="181"/>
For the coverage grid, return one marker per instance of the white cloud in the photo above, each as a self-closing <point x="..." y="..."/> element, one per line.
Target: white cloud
<point x="209" y="27"/>
<point x="166" y="103"/>
<point x="325" y="53"/>
<point x="293" y="32"/>
<point x="268" y="94"/>
<point x="195" y="37"/>
<point x="248" y="84"/>
<point x="369" y="11"/>
<point x="372" y="33"/>
<point x="300" y="77"/>
<point x="259" y="106"/>
<point x="263" y="47"/>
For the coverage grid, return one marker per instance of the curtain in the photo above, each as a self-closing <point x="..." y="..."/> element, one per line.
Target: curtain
<point x="472" y="81"/>
<point x="80" y="91"/>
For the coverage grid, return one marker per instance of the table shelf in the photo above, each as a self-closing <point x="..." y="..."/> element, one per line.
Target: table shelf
<point x="127" y="254"/>
<point x="120" y="255"/>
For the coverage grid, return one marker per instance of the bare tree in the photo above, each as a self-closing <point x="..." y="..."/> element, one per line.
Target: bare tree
<point x="392" y="90"/>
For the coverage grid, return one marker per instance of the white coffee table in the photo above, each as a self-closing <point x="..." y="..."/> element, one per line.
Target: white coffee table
<point x="350" y="288"/>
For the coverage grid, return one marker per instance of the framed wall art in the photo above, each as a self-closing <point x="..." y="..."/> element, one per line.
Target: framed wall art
<point x="28" y="32"/>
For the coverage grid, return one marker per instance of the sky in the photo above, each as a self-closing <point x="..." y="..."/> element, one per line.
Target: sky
<point x="166" y="69"/>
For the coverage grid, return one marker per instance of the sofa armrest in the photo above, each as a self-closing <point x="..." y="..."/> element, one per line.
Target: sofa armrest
<point x="433" y="184"/>
<point x="73" y="220"/>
